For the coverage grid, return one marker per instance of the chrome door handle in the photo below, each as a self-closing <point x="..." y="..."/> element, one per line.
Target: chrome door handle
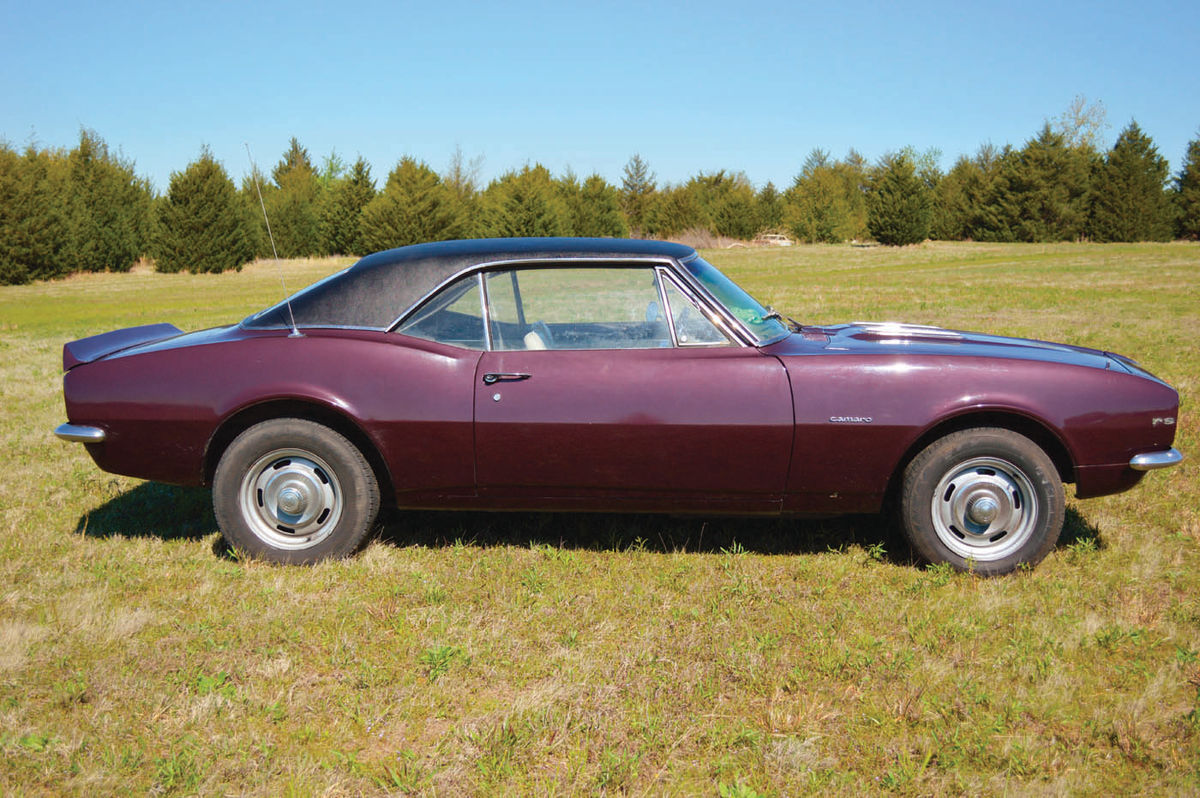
<point x="492" y="378"/>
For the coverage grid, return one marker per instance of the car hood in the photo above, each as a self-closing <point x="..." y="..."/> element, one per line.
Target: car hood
<point x="881" y="338"/>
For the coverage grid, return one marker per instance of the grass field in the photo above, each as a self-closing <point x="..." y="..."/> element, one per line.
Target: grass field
<point x="485" y="654"/>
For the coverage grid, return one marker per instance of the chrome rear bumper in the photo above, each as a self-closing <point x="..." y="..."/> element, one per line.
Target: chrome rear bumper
<point x="1156" y="460"/>
<point x="79" y="434"/>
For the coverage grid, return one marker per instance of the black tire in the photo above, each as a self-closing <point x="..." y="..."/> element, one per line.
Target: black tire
<point x="296" y="492"/>
<point x="987" y="500"/>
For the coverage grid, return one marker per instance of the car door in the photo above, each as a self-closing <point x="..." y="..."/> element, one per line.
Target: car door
<point x="606" y="386"/>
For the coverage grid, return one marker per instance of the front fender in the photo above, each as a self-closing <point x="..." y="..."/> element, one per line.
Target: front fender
<point x="858" y="417"/>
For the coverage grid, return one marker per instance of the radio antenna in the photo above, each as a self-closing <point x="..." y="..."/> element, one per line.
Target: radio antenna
<point x="279" y="266"/>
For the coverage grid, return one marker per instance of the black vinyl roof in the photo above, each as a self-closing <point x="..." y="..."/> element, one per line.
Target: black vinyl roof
<point x="378" y="289"/>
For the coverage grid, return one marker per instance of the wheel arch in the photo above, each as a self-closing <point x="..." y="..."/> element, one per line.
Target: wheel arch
<point x="242" y="419"/>
<point x="1033" y="429"/>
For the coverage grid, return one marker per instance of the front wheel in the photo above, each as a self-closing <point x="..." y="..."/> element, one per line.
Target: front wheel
<point x="294" y="491"/>
<point x="987" y="500"/>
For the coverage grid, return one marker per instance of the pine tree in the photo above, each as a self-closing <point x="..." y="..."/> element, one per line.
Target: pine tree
<point x="293" y="205"/>
<point x="593" y="209"/>
<point x="1187" y="193"/>
<point x="951" y="204"/>
<point x="770" y="207"/>
<point x="637" y="194"/>
<point x="987" y="195"/>
<point x="462" y="178"/>
<point x="1045" y="190"/>
<point x="570" y="192"/>
<point x="826" y="201"/>
<point x="203" y="224"/>
<point x="817" y="209"/>
<point x="34" y="238"/>
<point x="733" y="208"/>
<point x="961" y="201"/>
<point x="343" y="209"/>
<point x="604" y="209"/>
<point x="524" y="203"/>
<point x="14" y="270"/>
<point x="727" y="202"/>
<point x="676" y="210"/>
<point x="853" y="172"/>
<point x="1130" y="201"/>
<point x="898" y="203"/>
<point x="818" y="206"/>
<point x="109" y="207"/>
<point x="295" y="157"/>
<point x="254" y="191"/>
<point x="415" y="206"/>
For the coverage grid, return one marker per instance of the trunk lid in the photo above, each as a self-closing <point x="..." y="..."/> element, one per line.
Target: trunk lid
<point x="85" y="350"/>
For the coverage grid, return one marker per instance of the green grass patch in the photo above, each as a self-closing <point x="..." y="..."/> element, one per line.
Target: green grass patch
<point x="482" y="653"/>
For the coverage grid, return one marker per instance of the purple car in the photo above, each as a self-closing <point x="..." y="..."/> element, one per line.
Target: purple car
<point x="606" y="375"/>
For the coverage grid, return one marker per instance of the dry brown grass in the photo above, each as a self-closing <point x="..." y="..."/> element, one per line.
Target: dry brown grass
<point x="700" y="238"/>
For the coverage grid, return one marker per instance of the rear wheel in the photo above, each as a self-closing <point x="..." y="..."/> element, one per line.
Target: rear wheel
<point x="987" y="500"/>
<point x="294" y="491"/>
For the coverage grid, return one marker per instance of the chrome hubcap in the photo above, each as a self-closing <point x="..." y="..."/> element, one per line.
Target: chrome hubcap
<point x="984" y="508"/>
<point x="291" y="499"/>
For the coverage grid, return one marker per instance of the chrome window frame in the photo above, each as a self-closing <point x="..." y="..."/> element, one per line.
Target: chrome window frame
<point x="420" y="306"/>
<point x="485" y="308"/>
<point x="735" y="323"/>
<point x="663" y="277"/>
<point x="673" y="267"/>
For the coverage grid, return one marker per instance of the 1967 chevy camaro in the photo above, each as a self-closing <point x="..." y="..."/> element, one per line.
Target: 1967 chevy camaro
<point x="606" y="375"/>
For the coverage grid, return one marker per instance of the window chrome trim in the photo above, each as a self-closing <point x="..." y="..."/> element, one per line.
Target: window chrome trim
<point x="286" y="328"/>
<point x="776" y="339"/>
<point x="744" y="332"/>
<point x="485" y="308"/>
<point x="741" y="331"/>
<point x="739" y="334"/>
<point x="535" y="263"/>
<point x="659" y="277"/>
<point x="731" y="338"/>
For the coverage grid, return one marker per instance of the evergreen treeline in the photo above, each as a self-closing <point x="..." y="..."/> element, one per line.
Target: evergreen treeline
<point x="86" y="210"/>
<point x="63" y="212"/>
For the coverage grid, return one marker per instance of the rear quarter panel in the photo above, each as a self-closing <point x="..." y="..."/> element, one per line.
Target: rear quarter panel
<point x="161" y="407"/>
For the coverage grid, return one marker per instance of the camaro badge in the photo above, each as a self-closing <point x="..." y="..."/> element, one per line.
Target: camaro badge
<point x="851" y="419"/>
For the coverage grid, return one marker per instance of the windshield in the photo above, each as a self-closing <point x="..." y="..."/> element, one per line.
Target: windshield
<point x="762" y="323"/>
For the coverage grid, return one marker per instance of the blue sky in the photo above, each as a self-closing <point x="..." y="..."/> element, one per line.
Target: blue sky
<point x="697" y="86"/>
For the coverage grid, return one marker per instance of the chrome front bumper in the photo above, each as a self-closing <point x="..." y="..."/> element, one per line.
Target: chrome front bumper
<point x="78" y="434"/>
<point x="1156" y="460"/>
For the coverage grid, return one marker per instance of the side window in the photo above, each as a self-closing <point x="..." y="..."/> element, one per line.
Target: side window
<point x="504" y="310"/>
<point x="452" y="316"/>
<point x="692" y="328"/>
<point x="577" y="308"/>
